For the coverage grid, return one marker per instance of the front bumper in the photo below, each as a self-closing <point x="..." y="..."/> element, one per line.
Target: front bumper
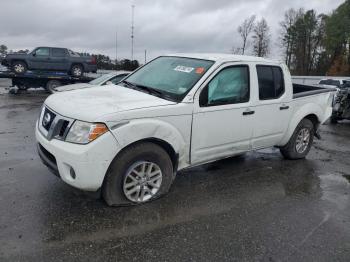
<point x="89" y="162"/>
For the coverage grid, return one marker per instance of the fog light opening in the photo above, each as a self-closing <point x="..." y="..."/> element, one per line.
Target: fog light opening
<point x="72" y="173"/>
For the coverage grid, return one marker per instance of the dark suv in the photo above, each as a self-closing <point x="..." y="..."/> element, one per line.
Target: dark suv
<point x="50" y="58"/>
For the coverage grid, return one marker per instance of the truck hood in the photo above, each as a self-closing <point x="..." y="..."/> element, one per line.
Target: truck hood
<point x="72" y="87"/>
<point x="92" y="103"/>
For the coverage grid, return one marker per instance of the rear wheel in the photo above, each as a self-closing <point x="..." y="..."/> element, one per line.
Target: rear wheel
<point x="141" y="173"/>
<point x="300" y="143"/>
<point x="77" y="70"/>
<point x="51" y="85"/>
<point x="19" y="67"/>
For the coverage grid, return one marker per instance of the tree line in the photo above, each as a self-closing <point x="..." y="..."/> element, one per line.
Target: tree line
<point x="106" y="63"/>
<point x="312" y="44"/>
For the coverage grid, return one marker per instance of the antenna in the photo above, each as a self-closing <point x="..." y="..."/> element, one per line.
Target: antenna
<point x="132" y="32"/>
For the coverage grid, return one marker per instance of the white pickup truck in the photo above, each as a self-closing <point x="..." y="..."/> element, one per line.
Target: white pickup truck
<point x="177" y="111"/>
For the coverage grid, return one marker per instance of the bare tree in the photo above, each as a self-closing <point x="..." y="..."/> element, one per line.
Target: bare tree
<point x="245" y="30"/>
<point x="288" y="33"/>
<point x="261" y="38"/>
<point x="236" y="50"/>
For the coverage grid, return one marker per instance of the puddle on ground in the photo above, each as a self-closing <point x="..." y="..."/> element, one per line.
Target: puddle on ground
<point x="336" y="189"/>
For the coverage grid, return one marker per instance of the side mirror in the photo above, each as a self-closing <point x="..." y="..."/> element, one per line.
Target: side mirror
<point x="203" y="97"/>
<point x="34" y="54"/>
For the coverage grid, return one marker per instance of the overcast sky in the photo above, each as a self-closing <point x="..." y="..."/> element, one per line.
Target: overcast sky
<point x="161" y="26"/>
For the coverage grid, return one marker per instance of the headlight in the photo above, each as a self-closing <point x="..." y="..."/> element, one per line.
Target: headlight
<point x="84" y="132"/>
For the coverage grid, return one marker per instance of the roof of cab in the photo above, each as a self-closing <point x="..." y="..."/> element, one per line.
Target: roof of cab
<point x="223" y="58"/>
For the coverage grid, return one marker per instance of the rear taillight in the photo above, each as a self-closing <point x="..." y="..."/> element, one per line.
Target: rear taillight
<point x="93" y="60"/>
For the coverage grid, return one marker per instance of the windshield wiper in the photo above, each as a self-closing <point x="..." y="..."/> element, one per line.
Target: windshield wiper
<point x="128" y="84"/>
<point x="149" y="90"/>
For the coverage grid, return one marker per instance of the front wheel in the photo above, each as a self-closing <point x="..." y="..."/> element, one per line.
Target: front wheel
<point x="51" y="86"/>
<point x="140" y="173"/>
<point x="19" y="67"/>
<point x="300" y="143"/>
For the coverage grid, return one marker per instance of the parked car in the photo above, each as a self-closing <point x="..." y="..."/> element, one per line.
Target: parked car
<point x="338" y="83"/>
<point x="110" y="78"/>
<point x="50" y="58"/>
<point x="341" y="107"/>
<point x="176" y="112"/>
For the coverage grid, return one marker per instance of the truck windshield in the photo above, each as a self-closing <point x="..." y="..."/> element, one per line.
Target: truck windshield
<point x="169" y="77"/>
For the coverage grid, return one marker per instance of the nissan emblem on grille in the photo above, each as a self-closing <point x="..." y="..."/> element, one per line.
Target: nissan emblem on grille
<point x="46" y="119"/>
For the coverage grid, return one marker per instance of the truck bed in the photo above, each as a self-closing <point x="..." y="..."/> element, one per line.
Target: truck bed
<point x="308" y="90"/>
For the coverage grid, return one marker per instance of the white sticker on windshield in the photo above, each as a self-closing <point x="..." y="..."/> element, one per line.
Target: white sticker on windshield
<point x="182" y="89"/>
<point x="184" y="69"/>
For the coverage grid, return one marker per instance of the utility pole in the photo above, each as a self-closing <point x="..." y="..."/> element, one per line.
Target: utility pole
<point x="145" y="56"/>
<point x="116" y="49"/>
<point x="132" y="32"/>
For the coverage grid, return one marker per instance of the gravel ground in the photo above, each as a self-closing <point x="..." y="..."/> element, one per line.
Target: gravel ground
<point x="258" y="207"/>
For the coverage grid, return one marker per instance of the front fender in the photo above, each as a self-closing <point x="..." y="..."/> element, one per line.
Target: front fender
<point x="300" y="114"/>
<point x="132" y="131"/>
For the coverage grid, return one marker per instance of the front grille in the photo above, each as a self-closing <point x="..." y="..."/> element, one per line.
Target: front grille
<point x="53" y="125"/>
<point x="63" y="129"/>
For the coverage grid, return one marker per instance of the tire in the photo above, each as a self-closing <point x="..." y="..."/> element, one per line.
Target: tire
<point x="19" y="67"/>
<point x="290" y="150"/>
<point x="115" y="187"/>
<point x="77" y="71"/>
<point x="334" y="120"/>
<point x="22" y="87"/>
<point x="51" y="85"/>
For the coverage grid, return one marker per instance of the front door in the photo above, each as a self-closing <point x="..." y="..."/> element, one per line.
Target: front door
<point x="222" y="119"/>
<point x="39" y="58"/>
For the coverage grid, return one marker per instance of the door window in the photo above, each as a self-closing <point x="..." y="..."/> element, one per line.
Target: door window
<point x="42" y="51"/>
<point x="229" y="86"/>
<point x="271" y="82"/>
<point x="58" y="52"/>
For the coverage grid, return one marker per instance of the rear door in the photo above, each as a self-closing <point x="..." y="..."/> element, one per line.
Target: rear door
<point x="222" y="120"/>
<point x="39" y="59"/>
<point x="272" y="108"/>
<point x="59" y="59"/>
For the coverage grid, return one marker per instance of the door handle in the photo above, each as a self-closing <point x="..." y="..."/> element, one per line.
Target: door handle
<point x="284" y="107"/>
<point x="245" y="113"/>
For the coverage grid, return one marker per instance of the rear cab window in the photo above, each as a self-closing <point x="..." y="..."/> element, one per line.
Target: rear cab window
<point x="271" y="82"/>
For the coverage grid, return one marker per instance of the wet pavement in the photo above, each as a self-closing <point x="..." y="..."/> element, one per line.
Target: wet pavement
<point x="258" y="207"/>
